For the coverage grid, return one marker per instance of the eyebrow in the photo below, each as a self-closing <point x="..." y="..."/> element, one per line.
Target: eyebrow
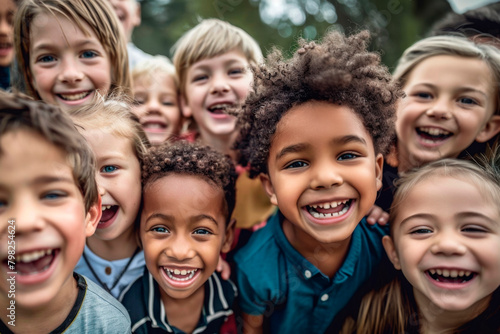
<point x="336" y="141"/>
<point x="472" y="214"/>
<point x="460" y="89"/>
<point x="416" y="216"/>
<point x="170" y="218"/>
<point x="49" y="46"/>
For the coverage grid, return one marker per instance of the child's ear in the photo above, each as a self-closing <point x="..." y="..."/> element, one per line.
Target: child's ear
<point x="268" y="188"/>
<point x="379" y="169"/>
<point x="390" y="249"/>
<point x="489" y="130"/>
<point x="228" y="238"/>
<point x="93" y="217"/>
<point x="186" y="110"/>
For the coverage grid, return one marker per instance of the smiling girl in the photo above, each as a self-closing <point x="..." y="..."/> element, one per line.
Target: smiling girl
<point x="70" y="50"/>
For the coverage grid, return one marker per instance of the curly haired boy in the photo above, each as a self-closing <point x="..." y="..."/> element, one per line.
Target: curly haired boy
<point x="314" y="130"/>
<point x="188" y="199"/>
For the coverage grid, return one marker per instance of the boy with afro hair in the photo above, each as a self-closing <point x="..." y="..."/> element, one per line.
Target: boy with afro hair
<point x="188" y="199"/>
<point x="314" y="130"/>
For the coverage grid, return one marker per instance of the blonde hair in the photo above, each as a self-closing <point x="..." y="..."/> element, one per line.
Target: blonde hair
<point x="149" y="68"/>
<point x="97" y="14"/>
<point x="449" y="46"/>
<point x="208" y="39"/>
<point x="113" y="116"/>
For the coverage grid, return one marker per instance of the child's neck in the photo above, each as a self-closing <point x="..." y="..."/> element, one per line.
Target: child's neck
<point x="328" y="258"/>
<point x="223" y="144"/>
<point x="46" y="318"/>
<point x="435" y="320"/>
<point x="119" y="248"/>
<point x="184" y="314"/>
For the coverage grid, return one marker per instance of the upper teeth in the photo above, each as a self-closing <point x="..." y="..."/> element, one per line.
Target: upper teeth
<point x="189" y="272"/>
<point x="434" y="131"/>
<point x="450" y="273"/>
<point x="329" y="205"/>
<point x="105" y="207"/>
<point x="73" y="97"/>
<point x="219" y="106"/>
<point x="32" y="256"/>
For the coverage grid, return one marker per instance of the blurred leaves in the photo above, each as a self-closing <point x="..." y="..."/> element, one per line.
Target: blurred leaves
<point x="394" y="24"/>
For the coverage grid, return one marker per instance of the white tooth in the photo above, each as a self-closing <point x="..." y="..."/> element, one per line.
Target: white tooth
<point x="328" y="215"/>
<point x="454" y="273"/>
<point x="183" y="272"/>
<point x="326" y="206"/>
<point x="334" y="204"/>
<point x="315" y="214"/>
<point x="432" y="271"/>
<point x="467" y="273"/>
<point x="177" y="271"/>
<point x="314" y="206"/>
<point x="320" y="206"/>
<point x="49" y="251"/>
<point x="446" y="273"/>
<point x="439" y="271"/>
<point x="321" y="215"/>
<point x="461" y="273"/>
<point x="335" y="214"/>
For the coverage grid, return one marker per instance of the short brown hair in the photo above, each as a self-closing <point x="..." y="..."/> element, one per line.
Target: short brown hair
<point x="21" y="113"/>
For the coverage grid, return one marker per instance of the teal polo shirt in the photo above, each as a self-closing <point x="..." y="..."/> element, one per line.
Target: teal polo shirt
<point x="276" y="281"/>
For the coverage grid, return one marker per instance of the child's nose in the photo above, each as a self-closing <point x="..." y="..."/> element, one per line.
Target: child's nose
<point x="440" y="109"/>
<point x="27" y="217"/>
<point x="70" y="73"/>
<point x="447" y="243"/>
<point x="179" y="248"/>
<point x="220" y="84"/>
<point x="325" y="176"/>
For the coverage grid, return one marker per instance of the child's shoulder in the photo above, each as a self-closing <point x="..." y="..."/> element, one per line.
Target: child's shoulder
<point x="99" y="312"/>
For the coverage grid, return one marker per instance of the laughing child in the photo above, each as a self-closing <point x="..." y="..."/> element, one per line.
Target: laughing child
<point x="49" y="204"/>
<point x="188" y="198"/>
<point x="445" y="239"/>
<point x="112" y="256"/>
<point x="70" y="50"/>
<point x="314" y="129"/>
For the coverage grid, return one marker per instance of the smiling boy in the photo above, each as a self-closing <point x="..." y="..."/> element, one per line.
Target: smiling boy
<point x="314" y="130"/>
<point x="188" y="198"/>
<point x="47" y="187"/>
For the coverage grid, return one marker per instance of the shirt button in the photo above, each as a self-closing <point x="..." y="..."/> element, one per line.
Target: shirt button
<point x="324" y="298"/>
<point x="107" y="270"/>
<point x="307" y="274"/>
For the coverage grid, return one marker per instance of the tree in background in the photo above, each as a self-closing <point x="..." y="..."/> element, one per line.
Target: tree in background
<point x="395" y="24"/>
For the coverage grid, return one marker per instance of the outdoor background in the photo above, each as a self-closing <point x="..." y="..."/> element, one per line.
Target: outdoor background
<point x="394" y="24"/>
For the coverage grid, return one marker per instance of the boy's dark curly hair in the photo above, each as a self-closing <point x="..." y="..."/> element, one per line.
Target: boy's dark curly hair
<point x="191" y="159"/>
<point x="338" y="70"/>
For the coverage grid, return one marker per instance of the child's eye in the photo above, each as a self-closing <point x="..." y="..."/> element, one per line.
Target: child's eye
<point x="296" y="164"/>
<point x="474" y="229"/>
<point x="236" y="71"/>
<point x="421" y="230"/>
<point x="53" y="195"/>
<point x="89" y="54"/>
<point x="168" y="103"/>
<point x="200" y="78"/>
<point x="138" y="100"/>
<point x="467" y="100"/>
<point x="202" y="231"/>
<point x="423" y="95"/>
<point x="46" y="59"/>
<point x="109" y="169"/>
<point x="347" y="156"/>
<point x="160" y="229"/>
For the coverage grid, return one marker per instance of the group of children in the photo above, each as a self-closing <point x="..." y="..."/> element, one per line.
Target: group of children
<point x="130" y="194"/>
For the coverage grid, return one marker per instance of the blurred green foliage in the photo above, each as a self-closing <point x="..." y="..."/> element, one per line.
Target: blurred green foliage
<point x="394" y="24"/>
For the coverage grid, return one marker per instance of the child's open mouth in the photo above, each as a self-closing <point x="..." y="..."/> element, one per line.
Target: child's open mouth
<point x="450" y="276"/>
<point x="433" y="135"/>
<point x="108" y="212"/>
<point x="180" y="275"/>
<point x="74" y="97"/>
<point x="219" y="109"/>
<point x="34" y="262"/>
<point x="330" y="209"/>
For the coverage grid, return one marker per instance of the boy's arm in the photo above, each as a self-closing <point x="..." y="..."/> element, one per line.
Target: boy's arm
<point x="252" y="324"/>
